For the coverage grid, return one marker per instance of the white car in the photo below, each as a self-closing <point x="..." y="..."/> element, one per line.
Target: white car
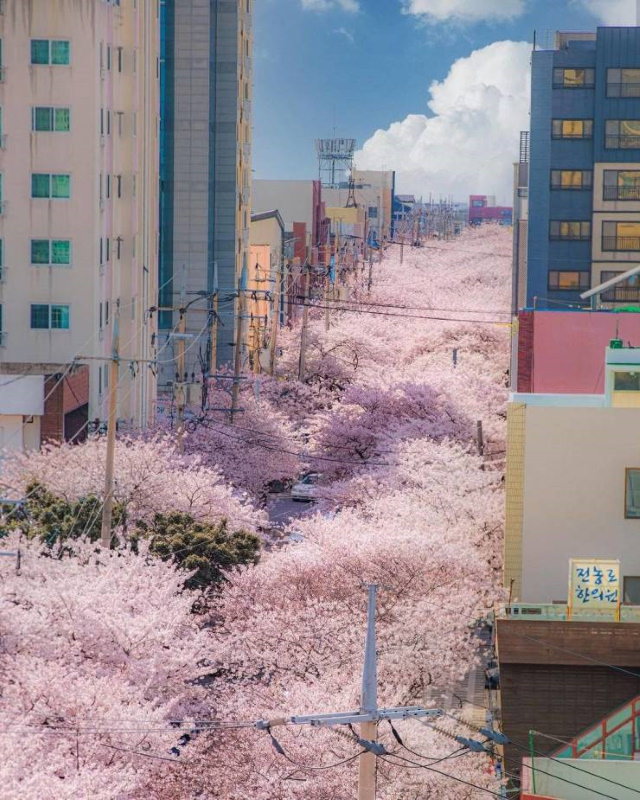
<point x="306" y="488"/>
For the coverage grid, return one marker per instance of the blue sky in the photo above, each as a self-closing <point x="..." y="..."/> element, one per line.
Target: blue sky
<point x="360" y="71"/>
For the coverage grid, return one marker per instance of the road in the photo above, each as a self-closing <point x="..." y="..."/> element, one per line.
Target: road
<point x="282" y="509"/>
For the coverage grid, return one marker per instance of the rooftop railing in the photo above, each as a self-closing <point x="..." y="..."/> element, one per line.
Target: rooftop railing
<point x="560" y="612"/>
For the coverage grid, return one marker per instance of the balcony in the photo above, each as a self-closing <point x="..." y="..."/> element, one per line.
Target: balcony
<point x="623" y="90"/>
<point x="621" y="193"/>
<point x="622" y="142"/>
<point x="621" y="244"/>
<point x="550" y="612"/>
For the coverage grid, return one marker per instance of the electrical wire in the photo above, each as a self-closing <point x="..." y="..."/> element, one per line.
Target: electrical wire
<point x="404" y="316"/>
<point x="431" y="759"/>
<point x="414" y="764"/>
<point x="373" y="304"/>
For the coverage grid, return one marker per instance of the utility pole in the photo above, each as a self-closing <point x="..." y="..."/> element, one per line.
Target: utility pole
<point x="275" y="322"/>
<point x="367" y="717"/>
<point x="237" y="360"/>
<point x="369" y="703"/>
<point x="114" y="366"/>
<point x="302" y="363"/>
<point x="213" y="358"/>
<point x="180" y="392"/>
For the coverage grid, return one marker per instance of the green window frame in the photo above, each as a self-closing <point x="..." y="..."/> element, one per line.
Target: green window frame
<point x="48" y="118"/>
<point x="50" y="252"/>
<point x="45" y="317"/>
<point x="46" y="185"/>
<point x="55" y="52"/>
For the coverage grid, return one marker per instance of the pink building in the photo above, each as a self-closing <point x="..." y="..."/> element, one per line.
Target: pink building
<point x="483" y="208"/>
<point x="562" y="352"/>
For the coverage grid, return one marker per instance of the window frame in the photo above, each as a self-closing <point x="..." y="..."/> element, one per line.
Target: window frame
<point x="50" y="262"/>
<point x="625" y="578"/>
<point x="52" y="110"/>
<point x="621" y="84"/>
<point x="617" y="238"/>
<point x="49" y="62"/>
<point x="620" y="189"/>
<point x="619" y="140"/>
<point x="589" y="78"/>
<point x="51" y="176"/>
<point x="558" y="237"/>
<point x="558" y="124"/>
<point x="582" y="283"/>
<point x="52" y="308"/>
<point x="588" y="186"/>
<point x="627" y="471"/>
<point x="610" y="295"/>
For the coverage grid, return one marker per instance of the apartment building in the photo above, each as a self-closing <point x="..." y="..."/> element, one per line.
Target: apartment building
<point x="78" y="193"/>
<point x="584" y="203"/>
<point x="205" y="204"/>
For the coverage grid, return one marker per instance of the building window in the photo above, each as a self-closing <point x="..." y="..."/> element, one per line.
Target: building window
<point x="46" y="185"/>
<point x="50" y="252"/>
<point x="572" y="128"/>
<point x="631" y="590"/>
<point x="623" y="83"/>
<point x="574" y="78"/>
<point x="575" y="231"/>
<point x="621" y="184"/>
<point x="622" y="134"/>
<point x="46" y="118"/>
<point x="560" y="280"/>
<point x="632" y="494"/>
<point x="373" y="212"/>
<point x="44" y="317"/>
<point x="571" y="179"/>
<point x="626" y="381"/>
<point x="50" y="51"/>
<point x="622" y="236"/>
<point x="626" y="292"/>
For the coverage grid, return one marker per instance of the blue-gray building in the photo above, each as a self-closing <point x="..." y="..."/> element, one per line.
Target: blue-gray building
<point x="584" y="172"/>
<point x="205" y="175"/>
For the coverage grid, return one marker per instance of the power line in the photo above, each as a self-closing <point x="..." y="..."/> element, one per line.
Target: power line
<point x="415" y="765"/>
<point x="404" y="316"/>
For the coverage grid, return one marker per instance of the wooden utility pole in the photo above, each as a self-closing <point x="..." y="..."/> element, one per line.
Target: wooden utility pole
<point x="275" y="322"/>
<point x="237" y="360"/>
<point x="302" y="363"/>
<point x="114" y="365"/>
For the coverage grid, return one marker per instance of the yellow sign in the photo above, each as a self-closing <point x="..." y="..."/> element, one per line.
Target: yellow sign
<point x="594" y="583"/>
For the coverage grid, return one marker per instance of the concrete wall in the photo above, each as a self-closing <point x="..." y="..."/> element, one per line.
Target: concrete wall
<point x="574" y="494"/>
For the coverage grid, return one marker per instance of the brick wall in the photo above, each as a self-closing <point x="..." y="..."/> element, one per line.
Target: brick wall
<point x="52" y="423"/>
<point x="525" y="351"/>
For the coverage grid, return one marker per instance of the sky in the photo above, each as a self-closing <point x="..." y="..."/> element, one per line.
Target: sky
<point x="437" y="90"/>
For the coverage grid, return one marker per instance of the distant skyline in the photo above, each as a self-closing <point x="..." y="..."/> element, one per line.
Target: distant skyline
<point x="435" y="89"/>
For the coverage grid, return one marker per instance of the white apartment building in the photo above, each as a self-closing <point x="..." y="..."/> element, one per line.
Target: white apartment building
<point x="79" y="106"/>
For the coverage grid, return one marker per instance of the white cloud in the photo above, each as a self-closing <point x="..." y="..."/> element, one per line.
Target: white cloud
<point x="464" y="10"/>
<point x="352" y="6"/>
<point x="468" y="143"/>
<point x="347" y="34"/>
<point x="612" y="12"/>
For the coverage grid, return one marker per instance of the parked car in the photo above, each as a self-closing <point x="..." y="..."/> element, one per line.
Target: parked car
<point x="305" y="490"/>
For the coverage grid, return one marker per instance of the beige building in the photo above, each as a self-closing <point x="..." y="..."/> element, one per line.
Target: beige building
<point x="78" y="171"/>
<point x="373" y="191"/>
<point x="266" y="283"/>
<point x="573" y="484"/>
